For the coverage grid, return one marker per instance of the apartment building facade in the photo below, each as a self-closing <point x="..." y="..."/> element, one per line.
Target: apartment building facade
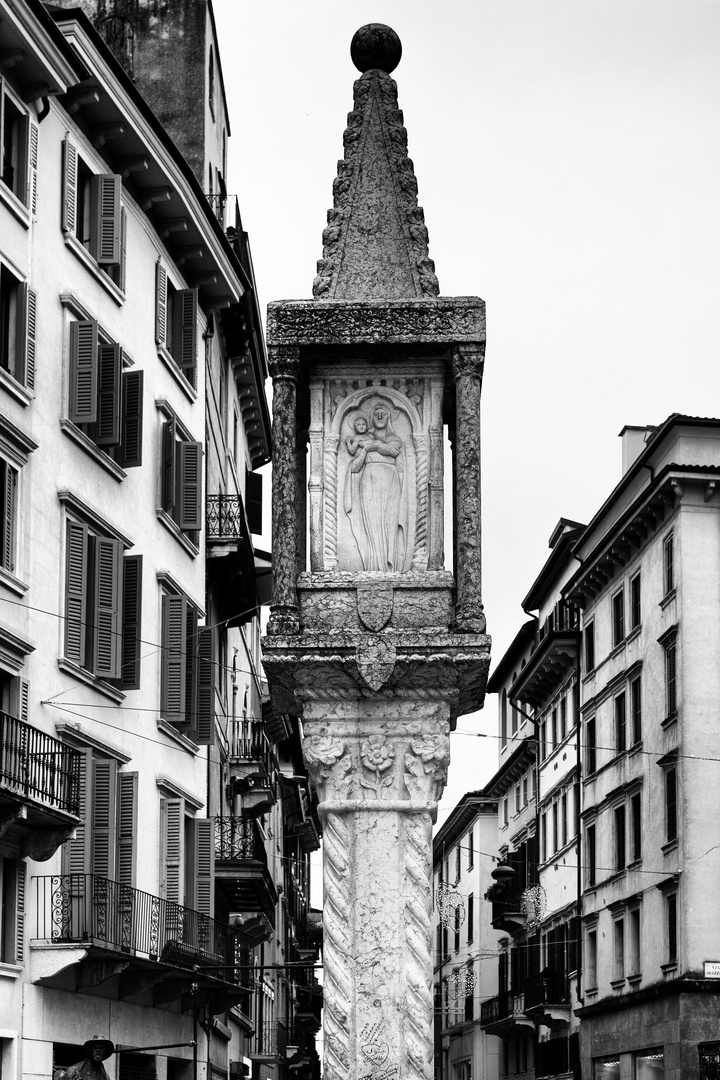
<point x="615" y="682"/>
<point x="151" y="820"/>
<point x="464" y="971"/>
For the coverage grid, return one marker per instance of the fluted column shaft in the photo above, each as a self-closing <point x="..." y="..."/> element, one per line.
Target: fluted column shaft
<point x="468" y="363"/>
<point x="284" y="364"/>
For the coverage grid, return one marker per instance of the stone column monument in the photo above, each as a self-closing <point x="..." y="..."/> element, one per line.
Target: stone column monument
<point x="371" y="640"/>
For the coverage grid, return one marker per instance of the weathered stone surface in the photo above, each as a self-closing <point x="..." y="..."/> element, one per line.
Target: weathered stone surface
<point x="468" y="368"/>
<point x="376" y="242"/>
<point x="375" y="46"/>
<point x="442" y="321"/>
<point x="402" y="602"/>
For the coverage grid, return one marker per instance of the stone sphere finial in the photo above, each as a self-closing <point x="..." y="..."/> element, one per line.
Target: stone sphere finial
<point x="376" y="46"/>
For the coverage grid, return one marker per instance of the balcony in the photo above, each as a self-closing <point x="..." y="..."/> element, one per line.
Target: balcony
<point x="547" y="998"/>
<point x="558" y="1056"/>
<point x="508" y="912"/>
<point x="504" y="1014"/>
<point x="270" y="1042"/>
<point x="554" y="653"/>
<point x="119" y="942"/>
<point x="242" y="876"/>
<point x="234" y="571"/>
<point x="39" y="786"/>
<point x="253" y="766"/>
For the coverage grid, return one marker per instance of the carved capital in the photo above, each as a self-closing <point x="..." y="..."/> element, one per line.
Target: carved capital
<point x="284" y="621"/>
<point x="284" y="362"/>
<point x="329" y="765"/>
<point x="468" y="360"/>
<point x="426" y="765"/>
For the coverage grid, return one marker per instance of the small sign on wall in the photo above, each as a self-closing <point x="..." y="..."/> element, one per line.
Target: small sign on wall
<point x="711" y="969"/>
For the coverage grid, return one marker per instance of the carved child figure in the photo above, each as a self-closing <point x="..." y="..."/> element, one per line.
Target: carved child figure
<point x="359" y="443"/>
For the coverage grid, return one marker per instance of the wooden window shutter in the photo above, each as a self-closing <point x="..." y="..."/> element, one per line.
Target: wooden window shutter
<point x="671" y="804"/>
<point x="127" y="800"/>
<point x="190" y="483"/>
<point x="204" y="900"/>
<point x="107" y="595"/>
<point x="174" y="618"/>
<point x="172" y="814"/>
<point x="253" y="501"/>
<point x="185" y="332"/>
<point x="69" y="195"/>
<point x="33" y="134"/>
<point x="27" y="312"/>
<point x="76" y="591"/>
<point x="83" y="371"/>
<point x="76" y="851"/>
<point x="109" y="375"/>
<point x="105" y="227"/>
<point x="20" y="889"/>
<point x="168" y="465"/>
<point x="123" y="250"/>
<point x="131" y="622"/>
<point x="206" y="668"/>
<point x="160" y="305"/>
<point x="8" y="475"/>
<point x="132" y="419"/>
<point x="104" y="817"/>
<point x="191" y="667"/>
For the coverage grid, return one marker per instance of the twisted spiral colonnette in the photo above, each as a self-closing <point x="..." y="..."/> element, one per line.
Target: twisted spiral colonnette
<point x="337" y="988"/>
<point x="418" y="956"/>
<point x="330" y="509"/>
<point x="422" y="507"/>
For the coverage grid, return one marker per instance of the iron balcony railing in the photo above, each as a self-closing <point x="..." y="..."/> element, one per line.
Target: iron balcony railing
<point x="238" y="839"/>
<point x="495" y="1009"/>
<point x="248" y="742"/>
<point x="88" y="909"/>
<point x="271" y="1039"/>
<point x="224" y="517"/>
<point x="35" y="766"/>
<point x="546" y="988"/>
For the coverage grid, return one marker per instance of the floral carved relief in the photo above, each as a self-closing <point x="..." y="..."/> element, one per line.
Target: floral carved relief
<point x="377" y="756"/>
<point x="426" y="765"/>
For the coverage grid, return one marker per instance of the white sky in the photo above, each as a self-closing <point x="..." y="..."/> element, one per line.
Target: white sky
<point x="568" y="161"/>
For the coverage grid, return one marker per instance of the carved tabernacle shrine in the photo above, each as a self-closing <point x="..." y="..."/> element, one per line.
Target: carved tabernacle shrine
<point x="370" y="638"/>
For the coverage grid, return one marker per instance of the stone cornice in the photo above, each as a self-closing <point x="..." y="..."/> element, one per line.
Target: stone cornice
<point x="447" y="320"/>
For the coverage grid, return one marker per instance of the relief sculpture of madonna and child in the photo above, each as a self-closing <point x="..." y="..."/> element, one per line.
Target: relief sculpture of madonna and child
<point x="376" y="489"/>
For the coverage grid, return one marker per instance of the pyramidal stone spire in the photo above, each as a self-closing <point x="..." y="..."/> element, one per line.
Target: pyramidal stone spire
<point x="375" y="246"/>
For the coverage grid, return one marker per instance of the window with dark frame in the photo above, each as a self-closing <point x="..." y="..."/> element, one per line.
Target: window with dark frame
<point x="470" y="918"/>
<point x="619" y="837"/>
<point x="620" y="723"/>
<point x="636" y="708"/>
<point x="590" y="849"/>
<point x="635" y="602"/>
<point x="672" y="928"/>
<point x="92" y="212"/>
<point x="635" y="951"/>
<point x="618" y="617"/>
<point x="8" y="515"/>
<point x="590" y="746"/>
<point x="671" y="679"/>
<point x="668" y="564"/>
<point x="636" y="826"/>
<point x="18" y="149"/>
<point x="671" y="820"/>
<point x="618" y="949"/>
<point x="589" y="647"/>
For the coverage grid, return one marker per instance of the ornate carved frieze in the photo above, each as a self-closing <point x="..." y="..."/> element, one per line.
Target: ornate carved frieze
<point x="442" y="321"/>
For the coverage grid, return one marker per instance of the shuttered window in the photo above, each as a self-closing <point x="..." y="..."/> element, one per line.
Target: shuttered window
<point x="13" y="875"/>
<point x="189" y="666"/>
<point x="8" y="521"/>
<point x="671" y="820"/>
<point x="181" y="478"/>
<point x="671" y="679"/>
<point x="204" y="877"/>
<point x="253" y="501"/>
<point x="176" y="313"/>
<point x="105" y="840"/>
<point x="102" y="613"/>
<point x="18" y="315"/>
<point x="91" y="209"/>
<point x="172" y="883"/>
<point x="19" y="142"/>
<point x="103" y="399"/>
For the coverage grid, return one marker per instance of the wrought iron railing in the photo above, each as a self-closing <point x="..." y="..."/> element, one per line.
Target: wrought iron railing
<point x="507" y="902"/>
<point x="85" y="908"/>
<point x="37" y="766"/>
<point x="271" y="1039"/>
<point x="238" y="839"/>
<point x="495" y="1009"/>
<point x="546" y="988"/>
<point x="248" y="741"/>
<point x="224" y="517"/>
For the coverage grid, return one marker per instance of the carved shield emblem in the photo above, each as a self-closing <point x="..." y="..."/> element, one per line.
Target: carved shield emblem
<point x="375" y="659"/>
<point x="375" y="604"/>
